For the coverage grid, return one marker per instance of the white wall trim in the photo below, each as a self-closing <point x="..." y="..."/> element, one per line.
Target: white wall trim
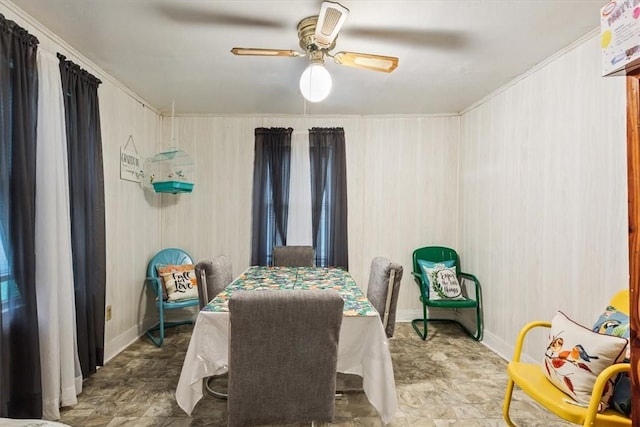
<point x="311" y="116"/>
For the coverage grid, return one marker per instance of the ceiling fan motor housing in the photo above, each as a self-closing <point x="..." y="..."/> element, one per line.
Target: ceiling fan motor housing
<point x="306" y="35"/>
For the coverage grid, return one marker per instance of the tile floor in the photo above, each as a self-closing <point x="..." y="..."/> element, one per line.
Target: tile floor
<point x="447" y="380"/>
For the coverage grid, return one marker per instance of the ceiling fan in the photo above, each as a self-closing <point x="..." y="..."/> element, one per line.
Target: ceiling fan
<point x="317" y="37"/>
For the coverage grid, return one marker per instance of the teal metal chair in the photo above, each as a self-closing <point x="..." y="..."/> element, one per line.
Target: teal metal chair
<point x="440" y="254"/>
<point x="170" y="256"/>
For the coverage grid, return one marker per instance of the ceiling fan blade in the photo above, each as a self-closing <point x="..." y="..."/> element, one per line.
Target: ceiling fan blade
<point x="330" y="20"/>
<point x="367" y="61"/>
<point x="428" y="38"/>
<point x="201" y="14"/>
<point x="253" y="51"/>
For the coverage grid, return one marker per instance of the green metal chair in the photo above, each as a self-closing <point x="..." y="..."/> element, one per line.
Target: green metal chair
<point x="440" y="254"/>
<point x="169" y="256"/>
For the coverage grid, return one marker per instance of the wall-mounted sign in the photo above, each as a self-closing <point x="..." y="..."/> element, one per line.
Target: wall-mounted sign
<point x="620" y="36"/>
<point x="130" y="162"/>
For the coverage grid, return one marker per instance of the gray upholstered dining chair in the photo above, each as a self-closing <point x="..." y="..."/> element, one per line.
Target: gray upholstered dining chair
<point x="383" y="288"/>
<point x="293" y="256"/>
<point x="283" y="353"/>
<point x="213" y="275"/>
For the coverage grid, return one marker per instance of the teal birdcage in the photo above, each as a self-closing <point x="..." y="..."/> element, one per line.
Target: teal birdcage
<point x="171" y="172"/>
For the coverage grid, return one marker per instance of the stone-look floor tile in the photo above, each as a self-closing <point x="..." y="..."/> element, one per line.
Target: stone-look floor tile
<point x="74" y="421"/>
<point x="411" y="422"/>
<point x="467" y="423"/>
<point x="447" y="380"/>
<point x="134" y="422"/>
<point x="97" y="421"/>
<point x="467" y="412"/>
<point x="159" y="409"/>
<point x="82" y="412"/>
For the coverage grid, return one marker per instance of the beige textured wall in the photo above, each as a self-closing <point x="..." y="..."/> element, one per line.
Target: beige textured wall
<point x="402" y="180"/>
<point x="543" y="195"/>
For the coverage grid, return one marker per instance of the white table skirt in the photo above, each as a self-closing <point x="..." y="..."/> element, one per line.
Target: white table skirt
<point x="363" y="350"/>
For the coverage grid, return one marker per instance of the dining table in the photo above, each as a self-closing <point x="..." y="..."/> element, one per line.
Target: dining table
<point x="363" y="348"/>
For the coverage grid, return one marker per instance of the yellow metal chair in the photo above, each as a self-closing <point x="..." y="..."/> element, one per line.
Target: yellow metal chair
<point x="530" y="378"/>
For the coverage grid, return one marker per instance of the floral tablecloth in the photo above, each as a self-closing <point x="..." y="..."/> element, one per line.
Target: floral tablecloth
<point x="363" y="347"/>
<point x="283" y="278"/>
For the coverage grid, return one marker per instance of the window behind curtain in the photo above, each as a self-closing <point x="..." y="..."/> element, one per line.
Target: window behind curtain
<point x="271" y="171"/>
<point x="299" y="225"/>
<point x="274" y="204"/>
<point x="329" y="196"/>
<point x="4" y="265"/>
<point x="4" y="274"/>
<point x="20" y="380"/>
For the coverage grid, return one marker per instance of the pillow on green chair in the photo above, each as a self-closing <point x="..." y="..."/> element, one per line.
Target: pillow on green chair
<point x="576" y="355"/>
<point x="614" y="322"/>
<point x="441" y="279"/>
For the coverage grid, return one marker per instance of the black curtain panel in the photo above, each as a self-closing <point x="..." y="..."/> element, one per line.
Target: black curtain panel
<point x="20" y="383"/>
<point x="86" y="188"/>
<point x="329" y="196"/>
<point x="271" y="171"/>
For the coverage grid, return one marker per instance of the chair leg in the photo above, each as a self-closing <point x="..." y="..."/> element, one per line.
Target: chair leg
<point x="479" y="327"/>
<point x="210" y="390"/>
<point x="477" y="335"/>
<point x="155" y="340"/>
<point x="160" y="339"/>
<point x="161" y="326"/>
<point x="422" y="334"/>
<point x="507" y="404"/>
<point x="158" y="327"/>
<point x="479" y="324"/>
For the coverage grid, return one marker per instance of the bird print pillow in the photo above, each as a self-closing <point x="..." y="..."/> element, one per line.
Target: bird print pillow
<point x="576" y="355"/>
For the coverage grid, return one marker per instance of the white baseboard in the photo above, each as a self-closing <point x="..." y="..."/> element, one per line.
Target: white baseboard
<point x="124" y="340"/>
<point x="408" y="315"/>
<point x="498" y="346"/>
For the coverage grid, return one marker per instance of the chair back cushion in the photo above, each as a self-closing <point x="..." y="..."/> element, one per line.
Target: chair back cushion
<point x="283" y="347"/>
<point x="217" y="274"/>
<point x="378" y="289"/>
<point x="293" y="256"/>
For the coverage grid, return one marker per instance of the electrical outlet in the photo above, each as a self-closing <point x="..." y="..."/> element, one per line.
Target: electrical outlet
<point x="108" y="313"/>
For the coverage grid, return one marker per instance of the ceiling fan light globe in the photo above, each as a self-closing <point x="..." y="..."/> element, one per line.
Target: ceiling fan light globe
<point x="315" y="83"/>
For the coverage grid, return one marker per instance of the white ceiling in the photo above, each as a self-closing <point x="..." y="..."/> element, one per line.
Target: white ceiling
<point x="452" y="53"/>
